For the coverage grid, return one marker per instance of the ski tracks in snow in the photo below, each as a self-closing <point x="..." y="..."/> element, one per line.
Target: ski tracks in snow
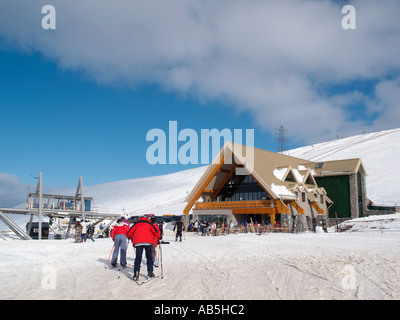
<point x="326" y="149"/>
<point x="237" y="267"/>
<point x="278" y="267"/>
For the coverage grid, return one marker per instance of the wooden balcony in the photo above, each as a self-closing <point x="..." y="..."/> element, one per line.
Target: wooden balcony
<point x="234" y="204"/>
<point x="246" y="207"/>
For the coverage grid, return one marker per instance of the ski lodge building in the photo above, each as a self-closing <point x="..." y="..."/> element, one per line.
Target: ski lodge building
<point x="244" y="182"/>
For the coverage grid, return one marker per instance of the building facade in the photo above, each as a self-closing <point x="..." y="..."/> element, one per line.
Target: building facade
<point x="251" y="184"/>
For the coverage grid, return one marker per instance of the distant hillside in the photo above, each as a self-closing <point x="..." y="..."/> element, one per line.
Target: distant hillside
<point x="157" y="195"/>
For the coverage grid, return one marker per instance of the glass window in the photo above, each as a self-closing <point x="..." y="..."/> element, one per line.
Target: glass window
<point x="241" y="188"/>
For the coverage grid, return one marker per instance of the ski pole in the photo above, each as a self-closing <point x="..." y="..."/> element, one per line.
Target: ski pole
<point x="157" y="262"/>
<point x="112" y="250"/>
<point x="162" y="274"/>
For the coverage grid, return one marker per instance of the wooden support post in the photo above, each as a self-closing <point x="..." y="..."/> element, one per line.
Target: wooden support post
<point x="40" y="206"/>
<point x="272" y="215"/>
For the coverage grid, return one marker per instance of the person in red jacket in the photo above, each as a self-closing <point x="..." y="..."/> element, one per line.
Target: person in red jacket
<point x="119" y="235"/>
<point x="143" y="235"/>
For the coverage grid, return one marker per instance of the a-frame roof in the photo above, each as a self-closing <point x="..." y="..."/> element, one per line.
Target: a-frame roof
<point x="261" y="164"/>
<point x="339" y="167"/>
<point x="309" y="177"/>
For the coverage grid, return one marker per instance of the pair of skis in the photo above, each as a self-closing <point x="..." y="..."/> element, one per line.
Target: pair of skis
<point x="117" y="269"/>
<point x="146" y="279"/>
<point x="158" y="264"/>
<point x="139" y="282"/>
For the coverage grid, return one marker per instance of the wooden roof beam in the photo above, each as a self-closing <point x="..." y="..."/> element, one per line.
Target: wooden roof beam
<point x="214" y="195"/>
<point x="204" y="185"/>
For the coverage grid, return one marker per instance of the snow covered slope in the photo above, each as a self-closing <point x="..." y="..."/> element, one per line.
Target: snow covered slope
<point x="380" y="153"/>
<point x="157" y="195"/>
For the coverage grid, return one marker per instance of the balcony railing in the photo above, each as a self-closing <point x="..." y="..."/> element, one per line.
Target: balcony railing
<point x="234" y="204"/>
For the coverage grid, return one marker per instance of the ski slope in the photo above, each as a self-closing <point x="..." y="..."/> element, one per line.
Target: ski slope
<point x="157" y="195"/>
<point x="352" y="265"/>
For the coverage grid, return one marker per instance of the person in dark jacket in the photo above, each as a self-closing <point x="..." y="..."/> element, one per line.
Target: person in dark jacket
<point x="179" y="227"/>
<point x="143" y="235"/>
<point x="78" y="232"/>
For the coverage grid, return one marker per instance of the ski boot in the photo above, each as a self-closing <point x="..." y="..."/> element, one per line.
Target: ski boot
<point x="136" y="276"/>
<point x="150" y="274"/>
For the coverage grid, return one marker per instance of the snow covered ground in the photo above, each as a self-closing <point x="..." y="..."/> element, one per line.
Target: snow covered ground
<point x="349" y="265"/>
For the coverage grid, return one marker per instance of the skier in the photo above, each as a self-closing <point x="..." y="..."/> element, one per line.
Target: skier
<point x="179" y="228"/>
<point x="245" y="225"/>
<point x="204" y="227"/>
<point x="213" y="229"/>
<point x="314" y="224"/>
<point x="143" y="235"/>
<point x="231" y="227"/>
<point x="125" y="221"/>
<point x="119" y="235"/>
<point x="84" y="230"/>
<point x="78" y="232"/>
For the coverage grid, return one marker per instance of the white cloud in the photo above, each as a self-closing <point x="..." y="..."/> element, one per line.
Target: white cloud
<point x="12" y="190"/>
<point x="388" y="100"/>
<point x="268" y="57"/>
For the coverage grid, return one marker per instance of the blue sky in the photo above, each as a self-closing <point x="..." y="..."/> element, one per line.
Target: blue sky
<point x="66" y="125"/>
<point x="80" y="99"/>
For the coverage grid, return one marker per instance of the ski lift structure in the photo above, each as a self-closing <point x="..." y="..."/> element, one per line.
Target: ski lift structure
<point x="57" y="206"/>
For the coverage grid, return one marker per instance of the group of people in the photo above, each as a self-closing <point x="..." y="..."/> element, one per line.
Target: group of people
<point x="83" y="230"/>
<point x="204" y="227"/>
<point x="207" y="228"/>
<point x="144" y="234"/>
